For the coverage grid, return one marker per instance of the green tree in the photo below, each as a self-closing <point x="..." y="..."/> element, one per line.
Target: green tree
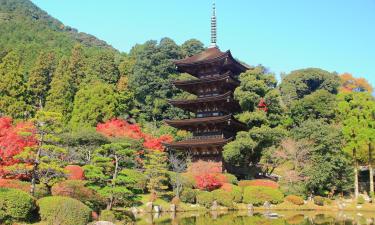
<point x="257" y="85"/>
<point x="93" y="103"/>
<point x="357" y="112"/>
<point x="13" y="91"/>
<point x="300" y="83"/>
<point x="192" y="47"/>
<point x="77" y="65"/>
<point x="40" y="78"/>
<point x="103" y="66"/>
<point x="151" y="79"/>
<point x="328" y="167"/>
<point x="156" y="171"/>
<point x="108" y="173"/>
<point x="60" y="96"/>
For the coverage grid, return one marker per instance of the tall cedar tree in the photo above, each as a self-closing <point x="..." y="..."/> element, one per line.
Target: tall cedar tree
<point x="13" y="91"/>
<point x="40" y="79"/>
<point x="60" y="96"/>
<point x="357" y="112"/>
<point x="94" y="103"/>
<point x="103" y="66"/>
<point x="77" y="63"/>
<point x="156" y="171"/>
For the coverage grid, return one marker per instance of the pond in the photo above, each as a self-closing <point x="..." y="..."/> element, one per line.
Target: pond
<point x="259" y="218"/>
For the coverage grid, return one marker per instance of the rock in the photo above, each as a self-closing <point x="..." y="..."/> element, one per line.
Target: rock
<point x="214" y="206"/>
<point x="250" y="207"/>
<point x="104" y="223"/>
<point x="149" y="207"/>
<point x="134" y="210"/>
<point x="157" y="209"/>
<point x="267" y="205"/>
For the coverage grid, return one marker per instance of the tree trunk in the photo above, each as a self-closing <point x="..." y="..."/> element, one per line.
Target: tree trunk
<point x="35" y="166"/>
<point x="113" y="184"/>
<point x="356" y="183"/>
<point x="371" y="170"/>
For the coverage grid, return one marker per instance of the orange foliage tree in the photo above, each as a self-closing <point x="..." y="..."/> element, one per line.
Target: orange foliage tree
<point x="13" y="140"/>
<point x="350" y="84"/>
<point x="117" y="128"/>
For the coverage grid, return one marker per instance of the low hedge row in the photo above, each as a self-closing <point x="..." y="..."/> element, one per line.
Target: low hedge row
<point x="259" y="195"/>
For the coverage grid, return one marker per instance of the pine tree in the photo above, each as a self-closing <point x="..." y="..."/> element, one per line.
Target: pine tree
<point x="13" y="94"/>
<point x="40" y="78"/>
<point x="60" y="96"/>
<point x="156" y="172"/>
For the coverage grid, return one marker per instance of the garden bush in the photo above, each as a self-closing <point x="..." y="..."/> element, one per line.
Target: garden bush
<point x="235" y="190"/>
<point x="205" y="198"/>
<point x="259" y="183"/>
<point x="15" y="205"/>
<point x="76" y="189"/>
<point x="318" y="200"/>
<point x="224" y="198"/>
<point x="40" y="189"/>
<point x="107" y="215"/>
<point x="188" y="195"/>
<point x="63" y="211"/>
<point x="361" y="200"/>
<point x="258" y="195"/>
<point x="296" y="200"/>
<point x="230" y="178"/>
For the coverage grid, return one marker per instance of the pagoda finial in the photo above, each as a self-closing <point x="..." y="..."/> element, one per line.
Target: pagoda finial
<point x="213" y="26"/>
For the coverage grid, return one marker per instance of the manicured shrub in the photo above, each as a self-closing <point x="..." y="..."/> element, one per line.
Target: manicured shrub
<point x="259" y="195"/>
<point x="361" y="200"/>
<point x="63" y="211"/>
<point x="224" y="198"/>
<point x="188" y="195"/>
<point x="205" y="198"/>
<point x="107" y="215"/>
<point x="230" y="178"/>
<point x="76" y="189"/>
<point x="259" y="183"/>
<point x="208" y="181"/>
<point x="294" y="199"/>
<point x="15" y="205"/>
<point x="318" y="200"/>
<point x="237" y="194"/>
<point x="75" y="172"/>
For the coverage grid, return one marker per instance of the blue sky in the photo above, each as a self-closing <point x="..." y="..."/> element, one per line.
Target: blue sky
<point x="283" y="35"/>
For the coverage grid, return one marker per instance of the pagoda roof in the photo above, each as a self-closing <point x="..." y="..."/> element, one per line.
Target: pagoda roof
<point x="193" y="104"/>
<point x="191" y="85"/>
<point x="211" y="55"/>
<point x="199" y="143"/>
<point x="228" y="120"/>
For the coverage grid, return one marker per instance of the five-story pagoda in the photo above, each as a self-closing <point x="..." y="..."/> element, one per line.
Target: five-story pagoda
<point x="214" y="124"/>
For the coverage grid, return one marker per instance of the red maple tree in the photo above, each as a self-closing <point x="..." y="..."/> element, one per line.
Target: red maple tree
<point x="13" y="140"/>
<point x="117" y="128"/>
<point x="207" y="175"/>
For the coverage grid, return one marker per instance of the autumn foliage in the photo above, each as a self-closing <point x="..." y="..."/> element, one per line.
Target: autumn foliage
<point x="75" y="172"/>
<point x="350" y="84"/>
<point x="16" y="184"/>
<point x="13" y="140"/>
<point x="117" y="128"/>
<point x="208" y="175"/>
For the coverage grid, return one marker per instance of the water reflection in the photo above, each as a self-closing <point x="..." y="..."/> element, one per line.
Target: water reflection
<point x="259" y="218"/>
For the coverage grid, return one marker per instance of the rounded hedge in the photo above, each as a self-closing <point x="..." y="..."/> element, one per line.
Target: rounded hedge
<point x="63" y="211"/>
<point x="205" y="198"/>
<point x="107" y="215"/>
<point x="230" y="178"/>
<point x="188" y="195"/>
<point x="224" y="198"/>
<point x="259" y="195"/>
<point x="15" y="205"/>
<point x="294" y="199"/>
<point x="318" y="200"/>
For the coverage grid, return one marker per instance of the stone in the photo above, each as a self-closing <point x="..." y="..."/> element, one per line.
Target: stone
<point x="267" y="205"/>
<point x="149" y="206"/>
<point x="214" y="206"/>
<point x="173" y="208"/>
<point x="134" y="210"/>
<point x="157" y="209"/>
<point x="250" y="207"/>
<point x="103" y="223"/>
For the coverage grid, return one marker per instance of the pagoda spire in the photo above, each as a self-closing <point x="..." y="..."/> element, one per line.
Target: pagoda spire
<point x="213" y="27"/>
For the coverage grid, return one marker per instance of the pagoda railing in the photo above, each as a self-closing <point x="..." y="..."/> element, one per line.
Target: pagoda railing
<point x="205" y="137"/>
